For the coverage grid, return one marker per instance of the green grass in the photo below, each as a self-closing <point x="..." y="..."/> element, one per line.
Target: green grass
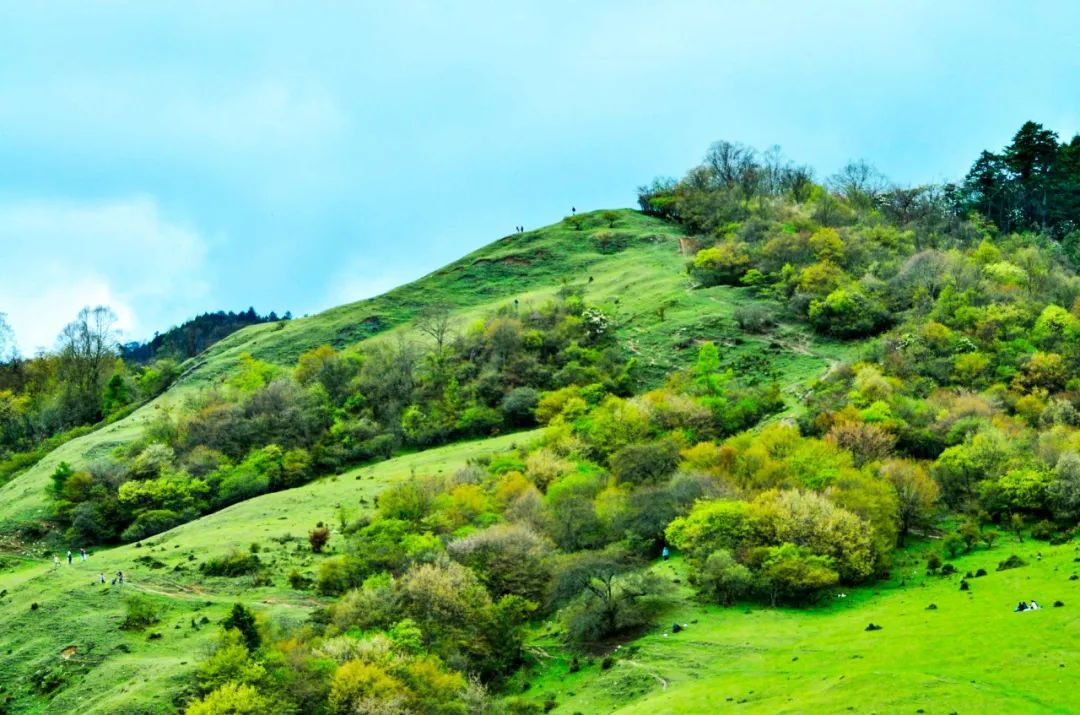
<point x="970" y="655"/>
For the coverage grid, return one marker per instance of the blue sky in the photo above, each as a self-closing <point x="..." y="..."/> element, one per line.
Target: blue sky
<point x="171" y="158"/>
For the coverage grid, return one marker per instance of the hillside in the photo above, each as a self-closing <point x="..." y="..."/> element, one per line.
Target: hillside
<point x="644" y="274"/>
<point x="849" y="414"/>
<point x="111" y="669"/>
<point x="968" y="653"/>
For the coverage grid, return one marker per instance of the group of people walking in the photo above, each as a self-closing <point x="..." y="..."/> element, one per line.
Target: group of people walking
<point x="70" y="558"/>
<point x="83" y="555"/>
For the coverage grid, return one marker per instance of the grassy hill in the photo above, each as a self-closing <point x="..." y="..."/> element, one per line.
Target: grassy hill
<point x="969" y="654"/>
<point x="62" y="649"/>
<point x="643" y="274"/>
<point x="68" y="653"/>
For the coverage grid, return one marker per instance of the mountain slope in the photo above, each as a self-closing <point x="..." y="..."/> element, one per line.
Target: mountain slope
<point x="640" y="270"/>
<point x="110" y="668"/>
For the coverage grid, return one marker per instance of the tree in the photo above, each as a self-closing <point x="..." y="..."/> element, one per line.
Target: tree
<point x="86" y="354"/>
<point x="611" y="217"/>
<point x="916" y="494"/>
<point x="508" y="558"/>
<point x="795" y="574"/>
<point x="8" y="350"/>
<point x="1064" y="492"/>
<point x="436" y="321"/>
<point x="242" y="619"/>
<point x="645" y="462"/>
<point x="603" y="595"/>
<point x="712" y="526"/>
<point x="734" y="166"/>
<point x="859" y="183"/>
<point x="359" y="687"/>
<point x="723" y="579"/>
<point x="231" y="662"/>
<point x="231" y="699"/>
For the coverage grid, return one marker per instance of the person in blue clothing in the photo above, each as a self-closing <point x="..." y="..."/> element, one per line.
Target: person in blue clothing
<point x="665" y="553"/>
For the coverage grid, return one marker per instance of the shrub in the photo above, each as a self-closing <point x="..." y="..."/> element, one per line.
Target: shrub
<point x="298" y="581"/>
<point x="339" y="574"/>
<point x="645" y="462"/>
<point x="753" y="318"/>
<point x="723" y="264"/>
<point x="848" y="313"/>
<point x="318" y="537"/>
<point x="519" y="407"/>
<point x="141" y="613"/>
<point x="1043" y="530"/>
<point x="153" y="522"/>
<point x="235" y="563"/>
<point x="1012" y="562"/>
<point x="933" y="563"/>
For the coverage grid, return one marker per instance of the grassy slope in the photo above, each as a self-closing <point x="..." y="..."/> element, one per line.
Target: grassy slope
<point x="115" y="671"/>
<point x="972" y="654"/>
<point x="528" y="267"/>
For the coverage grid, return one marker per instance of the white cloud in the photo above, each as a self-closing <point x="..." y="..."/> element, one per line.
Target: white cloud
<point x="58" y="256"/>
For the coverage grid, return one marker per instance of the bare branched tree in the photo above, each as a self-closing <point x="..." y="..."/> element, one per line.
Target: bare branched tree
<point x="86" y="351"/>
<point x="7" y="340"/>
<point x="435" y="321"/>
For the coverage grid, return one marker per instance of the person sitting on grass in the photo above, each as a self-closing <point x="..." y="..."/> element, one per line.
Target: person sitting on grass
<point x="1034" y="606"/>
<point x="1020" y="607"/>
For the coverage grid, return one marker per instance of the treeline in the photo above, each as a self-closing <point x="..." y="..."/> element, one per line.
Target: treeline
<point x="271" y="428"/>
<point x="1033" y="184"/>
<point x="194" y="336"/>
<point x="54" y="396"/>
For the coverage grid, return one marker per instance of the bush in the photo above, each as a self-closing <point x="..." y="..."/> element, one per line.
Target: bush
<point x="519" y="407"/>
<point x="1043" y="530"/>
<point x="235" y="563"/>
<point x="933" y="563"/>
<point x="848" y="313"/>
<point x="1012" y="562"/>
<point x="339" y="574"/>
<point x="298" y="581"/>
<point x="141" y="613"/>
<point x="318" y="537"/>
<point x="753" y="318"/>
<point x="645" y="462"/>
<point x="723" y="264"/>
<point x="153" y="522"/>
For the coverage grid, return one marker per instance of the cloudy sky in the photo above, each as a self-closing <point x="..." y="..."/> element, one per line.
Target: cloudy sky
<point x="172" y="158"/>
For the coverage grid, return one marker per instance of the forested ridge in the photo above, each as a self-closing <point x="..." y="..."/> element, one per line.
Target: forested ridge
<point x="958" y="418"/>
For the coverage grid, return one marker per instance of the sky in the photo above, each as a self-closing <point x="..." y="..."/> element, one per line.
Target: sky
<point x="170" y="158"/>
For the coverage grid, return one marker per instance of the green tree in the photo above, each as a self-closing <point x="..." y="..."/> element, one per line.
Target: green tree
<point x="794" y="574"/>
<point x="242" y="619"/>
<point x="232" y="699"/>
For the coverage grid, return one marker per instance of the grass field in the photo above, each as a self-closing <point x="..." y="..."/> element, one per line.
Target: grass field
<point x="971" y="654"/>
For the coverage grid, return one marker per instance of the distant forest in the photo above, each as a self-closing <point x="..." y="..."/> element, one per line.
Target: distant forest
<point x="192" y="337"/>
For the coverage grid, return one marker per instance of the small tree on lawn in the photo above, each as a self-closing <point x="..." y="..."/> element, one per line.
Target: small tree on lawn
<point x="318" y="537"/>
